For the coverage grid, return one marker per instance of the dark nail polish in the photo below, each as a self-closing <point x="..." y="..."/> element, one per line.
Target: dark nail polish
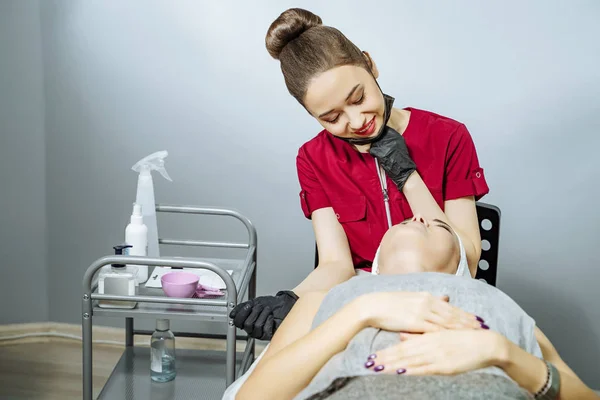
<point x="379" y="368"/>
<point x="400" y="371"/>
<point x="484" y="326"/>
<point x="479" y="319"/>
<point x="372" y="356"/>
<point x="369" y="364"/>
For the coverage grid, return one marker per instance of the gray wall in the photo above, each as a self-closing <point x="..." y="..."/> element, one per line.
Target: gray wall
<point x="22" y="166"/>
<point x="123" y="79"/>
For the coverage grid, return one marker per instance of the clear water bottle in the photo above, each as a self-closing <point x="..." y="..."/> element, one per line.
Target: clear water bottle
<point x="162" y="353"/>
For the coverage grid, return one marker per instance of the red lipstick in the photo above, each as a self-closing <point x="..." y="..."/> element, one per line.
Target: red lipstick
<point x="367" y="129"/>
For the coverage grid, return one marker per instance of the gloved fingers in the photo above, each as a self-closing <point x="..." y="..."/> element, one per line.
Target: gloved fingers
<point x="254" y="314"/>
<point x="259" y="325"/>
<point x="287" y="293"/>
<point x="237" y="309"/>
<point x="268" y="328"/>
<point x="243" y="312"/>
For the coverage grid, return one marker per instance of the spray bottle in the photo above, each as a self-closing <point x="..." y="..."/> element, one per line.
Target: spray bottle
<point x="145" y="194"/>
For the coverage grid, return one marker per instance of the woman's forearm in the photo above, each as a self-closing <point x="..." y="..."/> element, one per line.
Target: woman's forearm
<point x="530" y="372"/>
<point x="420" y="199"/>
<point x="287" y="372"/>
<point x="325" y="276"/>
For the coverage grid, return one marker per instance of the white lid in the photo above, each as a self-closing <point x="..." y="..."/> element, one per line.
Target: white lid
<point x="136" y="215"/>
<point x="137" y="209"/>
<point x="162" y="324"/>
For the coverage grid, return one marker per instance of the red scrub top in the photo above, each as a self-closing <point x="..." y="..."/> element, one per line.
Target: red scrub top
<point x="334" y="174"/>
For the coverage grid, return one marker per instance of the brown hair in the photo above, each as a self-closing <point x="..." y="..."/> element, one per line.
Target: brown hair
<point x="305" y="48"/>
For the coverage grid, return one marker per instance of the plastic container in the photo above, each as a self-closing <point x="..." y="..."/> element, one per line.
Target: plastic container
<point x="136" y="235"/>
<point x="121" y="280"/>
<point x="179" y="284"/>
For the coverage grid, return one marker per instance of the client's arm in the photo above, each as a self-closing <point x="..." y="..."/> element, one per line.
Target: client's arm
<point x="530" y="372"/>
<point x="296" y="354"/>
<point x="455" y="352"/>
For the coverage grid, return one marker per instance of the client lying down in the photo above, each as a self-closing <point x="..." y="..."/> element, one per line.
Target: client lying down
<point x="417" y="330"/>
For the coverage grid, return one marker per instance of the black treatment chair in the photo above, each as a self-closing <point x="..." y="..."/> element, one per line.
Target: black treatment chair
<point x="489" y="227"/>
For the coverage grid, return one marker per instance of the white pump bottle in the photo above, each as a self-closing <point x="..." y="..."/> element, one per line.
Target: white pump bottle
<point x="145" y="195"/>
<point x="136" y="235"/>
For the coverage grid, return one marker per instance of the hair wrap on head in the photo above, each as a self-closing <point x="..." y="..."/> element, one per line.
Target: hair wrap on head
<point x="461" y="270"/>
<point x="463" y="264"/>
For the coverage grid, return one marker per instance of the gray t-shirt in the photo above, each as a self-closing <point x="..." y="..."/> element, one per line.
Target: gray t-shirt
<point x="498" y="310"/>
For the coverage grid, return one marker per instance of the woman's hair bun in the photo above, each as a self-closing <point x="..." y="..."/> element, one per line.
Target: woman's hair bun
<point x="288" y="26"/>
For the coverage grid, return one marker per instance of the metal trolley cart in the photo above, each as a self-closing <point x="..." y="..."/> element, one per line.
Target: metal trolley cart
<point x="199" y="372"/>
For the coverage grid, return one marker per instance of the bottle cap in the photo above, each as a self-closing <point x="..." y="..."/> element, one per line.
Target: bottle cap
<point x="162" y="324"/>
<point x="136" y="214"/>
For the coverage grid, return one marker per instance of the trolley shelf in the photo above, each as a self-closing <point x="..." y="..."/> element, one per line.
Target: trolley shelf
<point x="180" y="311"/>
<point x="199" y="376"/>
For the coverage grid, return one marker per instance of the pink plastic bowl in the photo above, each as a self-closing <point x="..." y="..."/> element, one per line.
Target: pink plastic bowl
<point x="179" y="284"/>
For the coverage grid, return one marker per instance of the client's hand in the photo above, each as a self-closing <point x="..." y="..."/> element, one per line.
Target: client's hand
<point x="416" y="312"/>
<point x="447" y="352"/>
<point x="261" y="316"/>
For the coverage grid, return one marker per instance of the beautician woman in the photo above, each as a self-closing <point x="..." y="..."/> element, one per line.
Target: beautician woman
<point x="371" y="167"/>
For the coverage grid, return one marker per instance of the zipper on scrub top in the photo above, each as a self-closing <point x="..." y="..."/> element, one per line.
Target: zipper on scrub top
<point x="384" y="191"/>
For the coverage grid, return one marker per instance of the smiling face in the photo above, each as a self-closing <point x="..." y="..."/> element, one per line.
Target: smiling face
<point x="419" y="245"/>
<point x="346" y="101"/>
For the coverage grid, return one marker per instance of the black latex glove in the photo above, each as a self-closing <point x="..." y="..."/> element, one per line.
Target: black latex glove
<point x="261" y="316"/>
<point x="392" y="153"/>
